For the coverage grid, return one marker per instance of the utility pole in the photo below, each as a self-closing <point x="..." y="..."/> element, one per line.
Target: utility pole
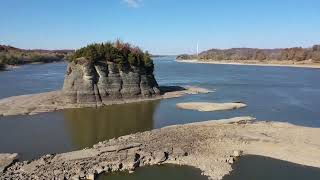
<point x="197" y="49"/>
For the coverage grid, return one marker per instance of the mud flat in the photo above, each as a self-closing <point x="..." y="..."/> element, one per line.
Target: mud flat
<point x="52" y="101"/>
<point x="211" y="146"/>
<point x="205" y="106"/>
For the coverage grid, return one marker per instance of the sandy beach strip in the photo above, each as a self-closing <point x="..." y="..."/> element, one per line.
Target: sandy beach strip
<point x="254" y="63"/>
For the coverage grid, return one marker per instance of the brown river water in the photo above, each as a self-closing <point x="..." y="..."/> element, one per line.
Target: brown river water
<point x="271" y="93"/>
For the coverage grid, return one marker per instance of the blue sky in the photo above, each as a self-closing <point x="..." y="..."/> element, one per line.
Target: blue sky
<point x="160" y="26"/>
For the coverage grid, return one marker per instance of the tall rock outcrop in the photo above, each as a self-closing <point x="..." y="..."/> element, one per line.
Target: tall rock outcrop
<point x="104" y="72"/>
<point x="103" y="81"/>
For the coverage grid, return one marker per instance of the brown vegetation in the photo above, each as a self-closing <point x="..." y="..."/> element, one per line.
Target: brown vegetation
<point x="14" y="56"/>
<point x="292" y="54"/>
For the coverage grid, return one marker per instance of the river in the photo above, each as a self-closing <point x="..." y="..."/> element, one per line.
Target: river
<point x="272" y="93"/>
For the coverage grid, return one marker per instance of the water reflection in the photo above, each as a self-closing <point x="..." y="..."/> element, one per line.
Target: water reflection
<point x="168" y="172"/>
<point x="272" y="93"/>
<point x="264" y="168"/>
<point x="88" y="126"/>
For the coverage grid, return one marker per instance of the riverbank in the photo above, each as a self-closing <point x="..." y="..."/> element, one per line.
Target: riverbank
<point x="303" y="64"/>
<point x="12" y="56"/>
<point x="211" y="146"/>
<point x="12" y="67"/>
<point x="53" y="101"/>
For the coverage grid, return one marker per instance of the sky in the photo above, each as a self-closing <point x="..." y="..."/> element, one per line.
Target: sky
<point x="160" y="26"/>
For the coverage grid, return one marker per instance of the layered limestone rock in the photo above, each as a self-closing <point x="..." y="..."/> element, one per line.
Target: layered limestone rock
<point x="101" y="82"/>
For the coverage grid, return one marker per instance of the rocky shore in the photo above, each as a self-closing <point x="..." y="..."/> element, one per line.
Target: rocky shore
<point x="56" y="100"/>
<point x="211" y="146"/>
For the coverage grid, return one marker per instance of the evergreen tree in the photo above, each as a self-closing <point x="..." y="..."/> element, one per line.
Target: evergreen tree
<point x="123" y="54"/>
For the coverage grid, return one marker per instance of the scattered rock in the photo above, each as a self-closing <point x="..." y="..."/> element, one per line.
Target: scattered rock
<point x="160" y="157"/>
<point x="99" y="170"/>
<point x="90" y="177"/>
<point x="230" y="160"/>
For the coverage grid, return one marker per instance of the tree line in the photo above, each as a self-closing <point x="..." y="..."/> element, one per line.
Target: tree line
<point x="123" y="54"/>
<point x="14" y="56"/>
<point x="292" y="54"/>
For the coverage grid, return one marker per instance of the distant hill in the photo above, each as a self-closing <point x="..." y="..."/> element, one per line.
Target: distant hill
<point x="10" y="55"/>
<point x="292" y="54"/>
<point x="4" y="48"/>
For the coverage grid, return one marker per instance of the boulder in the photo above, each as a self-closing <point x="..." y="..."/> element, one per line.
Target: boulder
<point x="237" y="153"/>
<point x="160" y="157"/>
<point x="6" y="160"/>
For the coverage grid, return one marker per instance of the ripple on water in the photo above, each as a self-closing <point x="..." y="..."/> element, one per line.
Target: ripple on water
<point x="167" y="172"/>
<point x="252" y="167"/>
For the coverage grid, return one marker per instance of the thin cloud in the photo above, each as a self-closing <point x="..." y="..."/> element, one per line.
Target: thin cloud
<point x="133" y="3"/>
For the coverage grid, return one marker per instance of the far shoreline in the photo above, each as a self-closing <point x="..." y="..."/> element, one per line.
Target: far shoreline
<point x="15" y="66"/>
<point x="251" y="63"/>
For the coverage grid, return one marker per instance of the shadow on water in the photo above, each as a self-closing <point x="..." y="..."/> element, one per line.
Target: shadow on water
<point x="168" y="172"/>
<point x="88" y="126"/>
<point x="249" y="167"/>
<point x="263" y="168"/>
<point x="72" y="129"/>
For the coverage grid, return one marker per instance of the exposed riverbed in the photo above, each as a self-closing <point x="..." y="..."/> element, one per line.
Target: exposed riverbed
<point x="212" y="146"/>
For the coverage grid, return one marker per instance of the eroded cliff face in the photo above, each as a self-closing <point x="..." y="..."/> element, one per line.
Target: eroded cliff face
<point x="102" y="82"/>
